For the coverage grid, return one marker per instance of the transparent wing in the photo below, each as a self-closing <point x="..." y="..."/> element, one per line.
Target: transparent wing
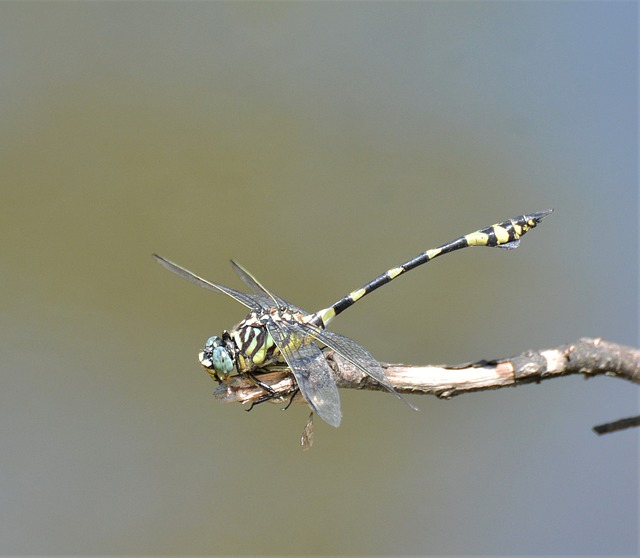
<point x="356" y="355"/>
<point x="306" y="440"/>
<point x="254" y="284"/>
<point x="265" y="295"/>
<point x="250" y="301"/>
<point x="510" y="245"/>
<point x="312" y="373"/>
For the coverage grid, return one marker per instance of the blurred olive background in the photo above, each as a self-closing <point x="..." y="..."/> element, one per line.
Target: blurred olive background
<point x="318" y="144"/>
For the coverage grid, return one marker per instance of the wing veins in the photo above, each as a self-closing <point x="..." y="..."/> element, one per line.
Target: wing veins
<point x="250" y="301"/>
<point x="357" y="355"/>
<point x="261" y="291"/>
<point x="310" y="368"/>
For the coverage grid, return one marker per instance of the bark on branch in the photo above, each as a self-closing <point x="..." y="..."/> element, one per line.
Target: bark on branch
<point x="587" y="357"/>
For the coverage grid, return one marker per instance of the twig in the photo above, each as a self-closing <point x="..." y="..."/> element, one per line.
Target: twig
<point x="588" y="357"/>
<point x="614" y="426"/>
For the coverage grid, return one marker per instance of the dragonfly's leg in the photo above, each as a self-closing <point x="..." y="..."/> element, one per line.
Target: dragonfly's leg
<point x="260" y="383"/>
<point x="269" y="397"/>
<point x="262" y="399"/>
<point x="293" y="396"/>
<point x="270" y="393"/>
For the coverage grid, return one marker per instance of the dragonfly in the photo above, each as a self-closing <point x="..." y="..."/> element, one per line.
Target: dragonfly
<point x="276" y="332"/>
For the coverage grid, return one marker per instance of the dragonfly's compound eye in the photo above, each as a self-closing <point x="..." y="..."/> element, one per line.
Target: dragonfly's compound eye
<point x="216" y="359"/>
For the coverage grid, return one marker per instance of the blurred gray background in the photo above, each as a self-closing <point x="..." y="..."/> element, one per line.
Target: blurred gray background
<point x="318" y="144"/>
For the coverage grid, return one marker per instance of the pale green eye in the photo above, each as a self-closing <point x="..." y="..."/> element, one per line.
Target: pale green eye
<point x="216" y="356"/>
<point x="222" y="362"/>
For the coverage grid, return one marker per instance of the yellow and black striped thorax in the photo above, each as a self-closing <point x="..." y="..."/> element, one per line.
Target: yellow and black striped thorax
<point x="254" y="345"/>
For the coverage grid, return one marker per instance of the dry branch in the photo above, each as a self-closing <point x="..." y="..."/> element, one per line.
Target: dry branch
<point x="588" y="357"/>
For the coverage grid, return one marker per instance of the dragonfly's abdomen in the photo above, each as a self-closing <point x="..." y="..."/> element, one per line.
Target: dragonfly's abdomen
<point x="504" y="235"/>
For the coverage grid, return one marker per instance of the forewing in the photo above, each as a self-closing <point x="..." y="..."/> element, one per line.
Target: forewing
<point x="264" y="294"/>
<point x="250" y="301"/>
<point x="356" y="355"/>
<point x="312" y="373"/>
<point x="253" y="283"/>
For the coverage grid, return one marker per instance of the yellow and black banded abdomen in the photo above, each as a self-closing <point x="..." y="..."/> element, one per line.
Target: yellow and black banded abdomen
<point x="501" y="234"/>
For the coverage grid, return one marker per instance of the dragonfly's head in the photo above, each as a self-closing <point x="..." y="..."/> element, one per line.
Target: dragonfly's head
<point x="218" y="357"/>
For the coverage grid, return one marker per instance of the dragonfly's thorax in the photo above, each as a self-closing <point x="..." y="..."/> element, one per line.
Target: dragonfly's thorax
<point x="248" y="346"/>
